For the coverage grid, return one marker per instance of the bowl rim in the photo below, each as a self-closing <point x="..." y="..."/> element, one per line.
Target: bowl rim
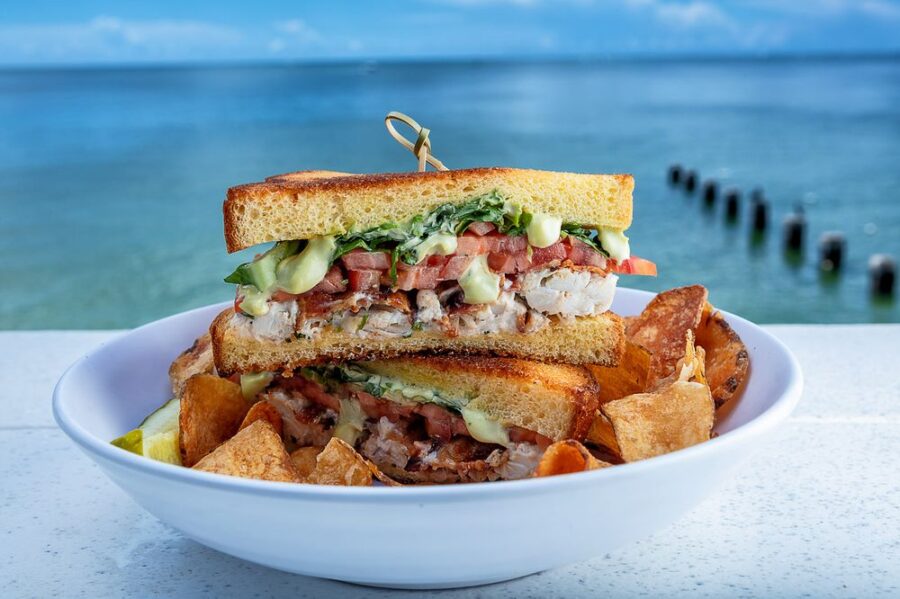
<point x="778" y="411"/>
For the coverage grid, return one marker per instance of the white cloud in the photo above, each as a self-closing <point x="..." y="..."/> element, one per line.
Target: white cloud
<point x="700" y="21"/>
<point x="111" y="38"/>
<point x="524" y="3"/>
<point x="518" y="3"/>
<point x="299" y="31"/>
<point x="294" y="36"/>
<point x="692" y="14"/>
<point x="884" y="9"/>
<point x="683" y="15"/>
<point x="879" y="9"/>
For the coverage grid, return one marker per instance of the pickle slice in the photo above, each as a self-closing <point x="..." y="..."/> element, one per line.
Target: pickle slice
<point x="157" y="436"/>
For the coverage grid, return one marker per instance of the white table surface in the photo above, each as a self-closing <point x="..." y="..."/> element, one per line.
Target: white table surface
<point x="814" y="513"/>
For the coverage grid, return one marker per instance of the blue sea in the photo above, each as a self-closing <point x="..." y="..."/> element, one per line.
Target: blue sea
<point x="111" y="181"/>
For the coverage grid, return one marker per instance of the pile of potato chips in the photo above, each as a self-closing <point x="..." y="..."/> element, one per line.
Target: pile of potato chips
<point x="681" y="362"/>
<point x="220" y="431"/>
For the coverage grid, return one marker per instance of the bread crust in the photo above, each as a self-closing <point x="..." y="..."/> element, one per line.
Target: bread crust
<point x="308" y="203"/>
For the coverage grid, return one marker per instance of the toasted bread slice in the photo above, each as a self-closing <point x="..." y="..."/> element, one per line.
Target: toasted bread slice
<point x="589" y="340"/>
<point x="306" y="204"/>
<point x="556" y="400"/>
<point x="301" y="176"/>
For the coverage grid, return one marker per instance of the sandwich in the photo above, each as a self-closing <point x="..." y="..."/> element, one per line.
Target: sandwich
<point x="508" y="262"/>
<point x="426" y="419"/>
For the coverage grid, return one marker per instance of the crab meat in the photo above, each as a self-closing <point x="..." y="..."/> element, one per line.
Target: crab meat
<point x="501" y="316"/>
<point x="374" y="323"/>
<point x="568" y="293"/>
<point x="276" y="325"/>
<point x="429" y="306"/>
<point x="517" y="461"/>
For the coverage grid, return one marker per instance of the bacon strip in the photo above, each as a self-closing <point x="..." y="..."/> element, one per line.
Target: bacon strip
<point x="508" y="263"/>
<point x="364" y="280"/>
<point x="363" y="260"/>
<point x="333" y="282"/>
<point x="541" y="256"/>
<point x="481" y="228"/>
<point x="473" y="245"/>
<point x="454" y="268"/>
<point x="417" y="277"/>
<point x="582" y="254"/>
<point x="311" y="390"/>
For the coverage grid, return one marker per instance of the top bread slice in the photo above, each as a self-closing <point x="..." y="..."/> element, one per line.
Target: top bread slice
<point x="305" y="204"/>
<point x="555" y="400"/>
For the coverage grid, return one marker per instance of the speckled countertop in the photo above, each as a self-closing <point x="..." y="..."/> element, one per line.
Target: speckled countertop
<point x="815" y="513"/>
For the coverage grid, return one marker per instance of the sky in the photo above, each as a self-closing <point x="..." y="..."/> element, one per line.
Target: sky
<point x="39" y="32"/>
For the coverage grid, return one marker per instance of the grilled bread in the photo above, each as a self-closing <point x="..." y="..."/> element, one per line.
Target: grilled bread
<point x="590" y="340"/>
<point x="305" y="204"/>
<point x="554" y="400"/>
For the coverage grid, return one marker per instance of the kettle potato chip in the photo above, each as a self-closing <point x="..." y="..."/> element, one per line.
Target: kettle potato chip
<point x="263" y="410"/>
<point x="255" y="452"/>
<point x="339" y="464"/>
<point x="565" y="457"/>
<point x="629" y="376"/>
<point x="690" y="367"/>
<point x="661" y="327"/>
<point x="651" y="424"/>
<point x="212" y="410"/>
<point x="304" y="459"/>
<point x="601" y="433"/>
<point x="727" y="359"/>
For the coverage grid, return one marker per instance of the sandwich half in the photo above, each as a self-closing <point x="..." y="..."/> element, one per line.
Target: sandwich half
<point x="436" y="419"/>
<point x="511" y="262"/>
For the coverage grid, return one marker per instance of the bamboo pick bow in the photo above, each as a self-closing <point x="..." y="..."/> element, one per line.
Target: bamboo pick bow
<point x="422" y="148"/>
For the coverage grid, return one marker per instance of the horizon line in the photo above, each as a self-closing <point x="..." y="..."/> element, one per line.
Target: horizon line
<point x="797" y="56"/>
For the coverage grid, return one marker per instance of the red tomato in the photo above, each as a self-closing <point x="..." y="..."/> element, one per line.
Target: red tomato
<point x="634" y="266"/>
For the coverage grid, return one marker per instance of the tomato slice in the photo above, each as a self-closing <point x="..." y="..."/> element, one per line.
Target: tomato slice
<point x="634" y="266"/>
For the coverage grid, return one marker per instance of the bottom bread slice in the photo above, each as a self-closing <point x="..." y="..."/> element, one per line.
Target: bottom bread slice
<point x="588" y="340"/>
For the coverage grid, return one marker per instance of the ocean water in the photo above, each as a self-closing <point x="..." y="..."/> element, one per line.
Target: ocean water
<point x="111" y="181"/>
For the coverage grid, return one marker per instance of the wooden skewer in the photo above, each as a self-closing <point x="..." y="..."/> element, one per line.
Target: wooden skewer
<point x="422" y="148"/>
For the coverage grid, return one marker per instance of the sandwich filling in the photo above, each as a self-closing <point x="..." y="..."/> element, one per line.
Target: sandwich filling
<point x="484" y="266"/>
<point x="412" y="433"/>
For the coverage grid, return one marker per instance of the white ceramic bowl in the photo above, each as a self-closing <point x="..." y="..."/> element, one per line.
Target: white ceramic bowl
<point x="417" y="537"/>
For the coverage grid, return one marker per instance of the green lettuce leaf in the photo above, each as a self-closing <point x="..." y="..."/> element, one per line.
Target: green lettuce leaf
<point x="589" y="236"/>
